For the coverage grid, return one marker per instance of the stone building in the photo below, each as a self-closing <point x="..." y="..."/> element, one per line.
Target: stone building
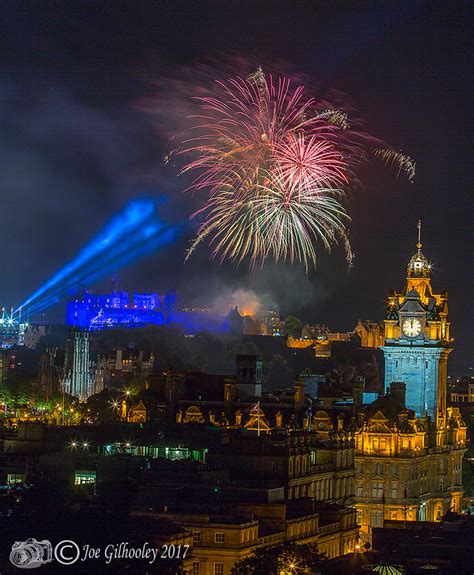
<point x="222" y="539"/>
<point x="406" y="469"/>
<point x="409" y="444"/>
<point x="371" y="333"/>
<point x="121" y="366"/>
<point x="304" y="466"/>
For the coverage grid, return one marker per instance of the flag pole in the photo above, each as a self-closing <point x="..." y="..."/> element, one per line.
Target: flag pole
<point x="258" y="418"/>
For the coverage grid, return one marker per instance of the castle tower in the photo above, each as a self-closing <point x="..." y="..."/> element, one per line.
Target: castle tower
<point x="417" y="340"/>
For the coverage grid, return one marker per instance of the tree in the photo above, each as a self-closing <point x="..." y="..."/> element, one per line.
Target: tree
<point x="293" y="326"/>
<point x="284" y="559"/>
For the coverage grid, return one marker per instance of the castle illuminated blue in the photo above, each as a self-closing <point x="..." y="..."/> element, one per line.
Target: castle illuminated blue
<point x="99" y="311"/>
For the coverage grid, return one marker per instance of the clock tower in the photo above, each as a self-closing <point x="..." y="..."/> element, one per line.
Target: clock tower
<point x="417" y="340"/>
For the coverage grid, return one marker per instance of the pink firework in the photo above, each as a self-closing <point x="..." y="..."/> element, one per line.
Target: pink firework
<point x="271" y="163"/>
<point x="309" y="163"/>
<point x="256" y="122"/>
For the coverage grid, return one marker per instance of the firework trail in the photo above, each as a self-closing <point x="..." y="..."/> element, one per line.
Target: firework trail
<point x="274" y="166"/>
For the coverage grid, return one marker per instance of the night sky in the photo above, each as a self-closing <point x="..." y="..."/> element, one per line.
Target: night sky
<point x="76" y="143"/>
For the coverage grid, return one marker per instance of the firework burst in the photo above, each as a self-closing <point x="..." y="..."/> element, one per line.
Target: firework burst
<point x="274" y="168"/>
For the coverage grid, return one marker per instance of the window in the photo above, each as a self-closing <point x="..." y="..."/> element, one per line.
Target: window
<point x="218" y="568"/>
<point x="83" y="477"/>
<point x="196" y="537"/>
<point x="360" y="490"/>
<point x="394" y="469"/>
<point x="16" y="478"/>
<point x="377" y="489"/>
<point x="394" y="492"/>
<point x="219" y="537"/>
<point x="195" y="567"/>
<point x="378" y="468"/>
<point x="376" y="519"/>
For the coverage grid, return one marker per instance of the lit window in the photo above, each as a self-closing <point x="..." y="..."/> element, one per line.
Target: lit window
<point x="218" y="568"/>
<point x="376" y="519"/>
<point x="16" y="478"/>
<point x="84" y="477"/>
<point x="219" y="537"/>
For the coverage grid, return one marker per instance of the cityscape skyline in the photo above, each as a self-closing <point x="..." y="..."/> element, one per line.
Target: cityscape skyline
<point x="74" y="115"/>
<point x="235" y="300"/>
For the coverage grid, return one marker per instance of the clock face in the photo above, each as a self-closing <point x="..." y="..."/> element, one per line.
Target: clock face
<point x="411" y="327"/>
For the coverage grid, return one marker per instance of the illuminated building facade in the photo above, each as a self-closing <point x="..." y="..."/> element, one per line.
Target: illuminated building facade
<point x="119" y="310"/>
<point x="406" y="468"/>
<point x="462" y="391"/>
<point x="320" y="338"/>
<point x="409" y="445"/>
<point x="263" y="322"/>
<point x="12" y="329"/>
<point x="371" y="333"/>
<point x="417" y="340"/>
<point x="78" y="377"/>
<point x="121" y="366"/>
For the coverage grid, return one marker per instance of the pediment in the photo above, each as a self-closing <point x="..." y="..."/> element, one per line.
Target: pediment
<point x="379" y="427"/>
<point x="379" y="417"/>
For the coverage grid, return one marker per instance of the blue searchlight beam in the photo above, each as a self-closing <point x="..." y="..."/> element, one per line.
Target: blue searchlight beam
<point x="134" y="232"/>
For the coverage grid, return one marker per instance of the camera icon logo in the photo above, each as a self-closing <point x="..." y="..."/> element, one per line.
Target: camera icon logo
<point x="31" y="553"/>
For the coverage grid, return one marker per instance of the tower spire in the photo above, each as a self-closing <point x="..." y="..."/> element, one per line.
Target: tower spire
<point x="419" y="244"/>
